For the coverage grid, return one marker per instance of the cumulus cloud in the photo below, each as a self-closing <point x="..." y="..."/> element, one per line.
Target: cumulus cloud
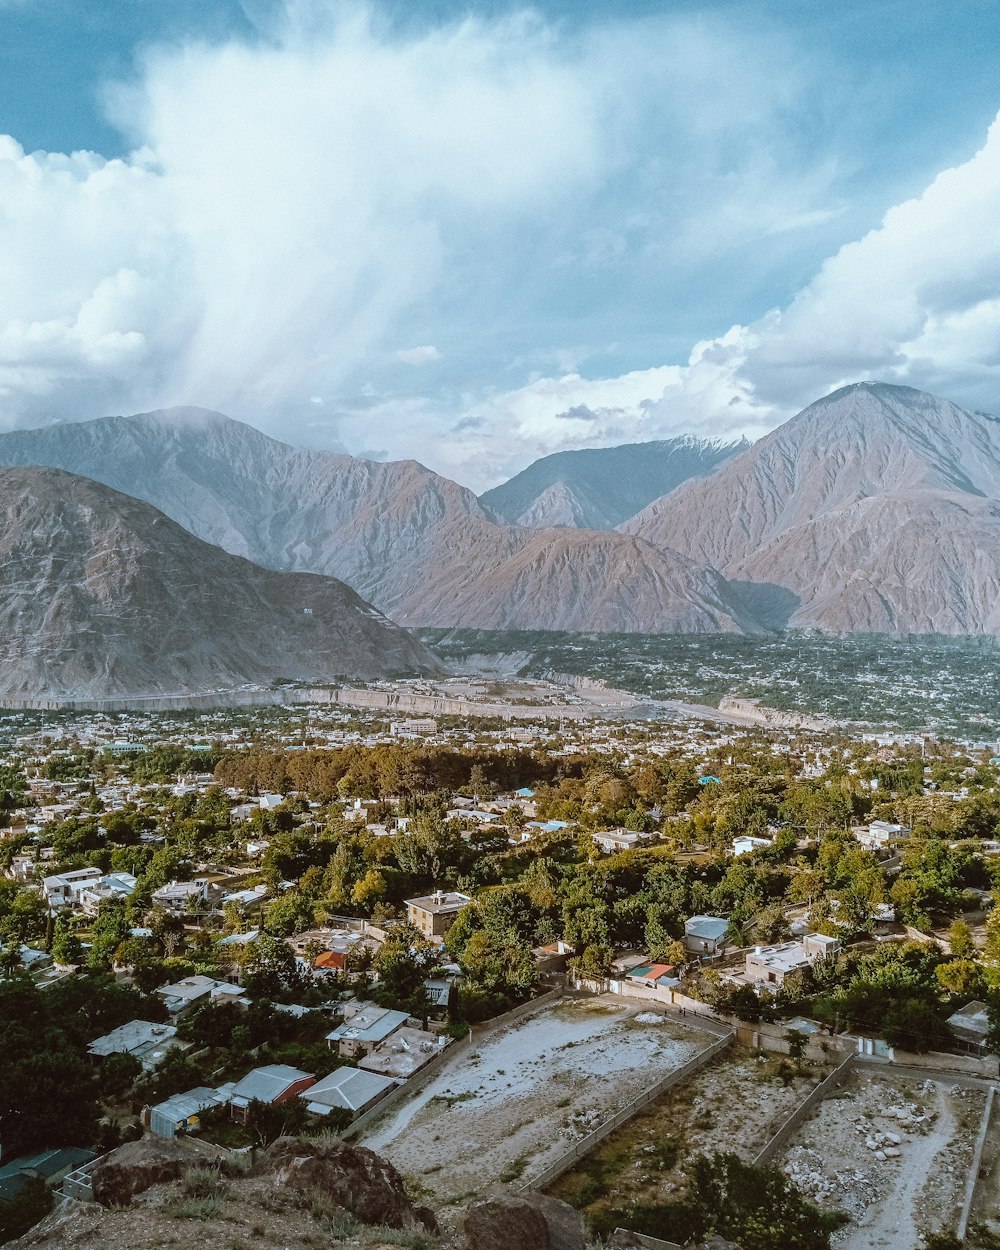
<point x="286" y="202"/>
<point x="915" y="301"/>
<point x="296" y="208"/>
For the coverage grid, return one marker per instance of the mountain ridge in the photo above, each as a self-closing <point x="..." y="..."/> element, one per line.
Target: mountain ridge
<point x="601" y="487"/>
<point x="873" y="509"/>
<point x="419" y="546"/>
<point x="102" y="595"/>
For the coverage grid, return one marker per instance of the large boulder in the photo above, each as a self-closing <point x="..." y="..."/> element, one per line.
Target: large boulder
<point x="138" y="1165"/>
<point x="351" y="1177"/>
<point x="528" y="1221"/>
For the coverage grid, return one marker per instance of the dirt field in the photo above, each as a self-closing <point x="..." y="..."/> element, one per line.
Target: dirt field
<point x="891" y="1150"/>
<point x="736" y="1103"/>
<point x="511" y="1104"/>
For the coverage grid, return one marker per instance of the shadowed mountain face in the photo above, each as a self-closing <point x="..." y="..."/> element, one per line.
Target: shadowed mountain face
<point x="102" y="595"/>
<point x="875" y="509"/>
<point x="417" y="545"/>
<point x="599" y="488"/>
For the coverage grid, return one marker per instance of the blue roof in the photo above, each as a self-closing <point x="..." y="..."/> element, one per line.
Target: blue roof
<point x="525" y="793"/>
<point x="708" y="779"/>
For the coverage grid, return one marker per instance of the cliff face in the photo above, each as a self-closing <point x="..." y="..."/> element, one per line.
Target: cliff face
<point x="876" y="509"/>
<point x="101" y="595"/>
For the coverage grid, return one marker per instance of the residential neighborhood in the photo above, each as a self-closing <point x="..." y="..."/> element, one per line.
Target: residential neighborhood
<point x="244" y="931"/>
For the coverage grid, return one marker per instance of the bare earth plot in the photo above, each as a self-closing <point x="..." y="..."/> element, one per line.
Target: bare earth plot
<point x="513" y="1102"/>
<point x="735" y="1103"/>
<point x="894" y="1152"/>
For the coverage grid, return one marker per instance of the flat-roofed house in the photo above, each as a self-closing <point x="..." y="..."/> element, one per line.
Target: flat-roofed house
<point x="64" y="889"/>
<point x="145" y="1040"/>
<point x="403" y="1053"/>
<point x="434" y="914"/>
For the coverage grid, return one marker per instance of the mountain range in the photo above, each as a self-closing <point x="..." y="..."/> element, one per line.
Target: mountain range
<point x="876" y="509"/>
<point x="420" y="547"/>
<point x="600" y="487"/>
<point x="101" y="595"/>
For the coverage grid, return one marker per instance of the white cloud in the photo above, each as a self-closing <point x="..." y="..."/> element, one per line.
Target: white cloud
<point x="418" y="355"/>
<point x="287" y="202"/>
<point x="296" y="208"/>
<point x="916" y="301"/>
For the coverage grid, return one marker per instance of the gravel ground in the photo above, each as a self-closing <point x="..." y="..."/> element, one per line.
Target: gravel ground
<point x="511" y="1104"/>
<point x="893" y="1152"/>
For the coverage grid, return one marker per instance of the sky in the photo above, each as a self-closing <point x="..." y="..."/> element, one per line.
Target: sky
<point x="474" y="234"/>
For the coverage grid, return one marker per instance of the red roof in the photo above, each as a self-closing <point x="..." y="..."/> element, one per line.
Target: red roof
<point x="331" y="959"/>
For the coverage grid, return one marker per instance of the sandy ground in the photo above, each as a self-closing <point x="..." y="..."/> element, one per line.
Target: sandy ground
<point x="891" y="1150"/>
<point x="514" y="1101"/>
<point x="736" y="1103"/>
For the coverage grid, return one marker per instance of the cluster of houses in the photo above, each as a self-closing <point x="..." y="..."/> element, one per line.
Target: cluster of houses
<point x="378" y="1051"/>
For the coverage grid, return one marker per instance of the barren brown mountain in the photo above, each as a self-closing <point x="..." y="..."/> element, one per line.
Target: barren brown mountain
<point x="875" y="509"/>
<point x="102" y="595"/>
<point x="420" y="547"/>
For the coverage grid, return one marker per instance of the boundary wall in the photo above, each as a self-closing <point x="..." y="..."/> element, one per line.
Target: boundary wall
<point x="586" y="1144"/>
<point x="801" y="1112"/>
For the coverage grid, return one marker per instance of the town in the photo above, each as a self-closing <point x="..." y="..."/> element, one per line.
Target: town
<point x="600" y="948"/>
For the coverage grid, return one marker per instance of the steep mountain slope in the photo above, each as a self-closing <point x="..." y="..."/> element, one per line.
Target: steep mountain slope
<point x="282" y="507"/>
<point x="599" y="487"/>
<point x="876" y="508"/>
<point x="417" y="545"/>
<point x="577" y="580"/>
<point x="101" y="595"/>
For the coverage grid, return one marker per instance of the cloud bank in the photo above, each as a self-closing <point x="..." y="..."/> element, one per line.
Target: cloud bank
<point x="351" y="231"/>
<point x="915" y="301"/>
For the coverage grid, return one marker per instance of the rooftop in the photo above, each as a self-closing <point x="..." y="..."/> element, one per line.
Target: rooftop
<point x="347" y="1088"/>
<point x="440" y="901"/>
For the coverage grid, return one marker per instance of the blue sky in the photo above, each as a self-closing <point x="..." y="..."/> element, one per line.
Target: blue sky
<point x="476" y="233"/>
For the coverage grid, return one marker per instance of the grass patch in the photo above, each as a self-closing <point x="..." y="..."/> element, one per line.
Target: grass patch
<point x="193" y="1208"/>
<point x="515" y="1171"/>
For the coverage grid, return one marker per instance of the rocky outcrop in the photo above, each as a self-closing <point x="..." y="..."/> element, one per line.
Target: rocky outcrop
<point x="351" y="1177"/>
<point x="528" y="1221"/>
<point x="138" y="1166"/>
<point x="101" y="596"/>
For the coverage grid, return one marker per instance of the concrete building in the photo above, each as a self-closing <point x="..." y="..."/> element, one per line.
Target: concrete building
<point x="364" y="1029"/>
<point x="402" y="1054"/>
<point x="773" y="966"/>
<point x="143" y="1039"/>
<point x="705" y="935"/>
<point x="181" y="996"/>
<point x="434" y="914"/>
